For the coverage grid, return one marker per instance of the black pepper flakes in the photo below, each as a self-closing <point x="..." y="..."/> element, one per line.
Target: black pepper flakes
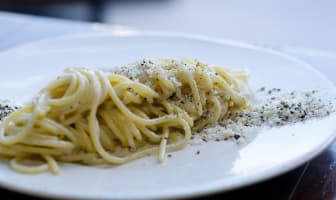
<point x="236" y="136"/>
<point x="5" y="110"/>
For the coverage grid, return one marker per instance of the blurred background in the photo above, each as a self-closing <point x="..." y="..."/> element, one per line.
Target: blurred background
<point x="300" y="23"/>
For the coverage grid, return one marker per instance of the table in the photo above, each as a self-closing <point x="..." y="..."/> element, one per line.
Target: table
<point x="313" y="180"/>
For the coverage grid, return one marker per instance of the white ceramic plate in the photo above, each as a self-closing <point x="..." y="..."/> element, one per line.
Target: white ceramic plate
<point x="221" y="166"/>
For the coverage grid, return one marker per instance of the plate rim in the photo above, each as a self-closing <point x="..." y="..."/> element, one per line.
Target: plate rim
<point x="213" y="188"/>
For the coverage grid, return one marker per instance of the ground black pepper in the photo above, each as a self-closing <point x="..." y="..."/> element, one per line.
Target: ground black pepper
<point x="275" y="109"/>
<point x="6" y="109"/>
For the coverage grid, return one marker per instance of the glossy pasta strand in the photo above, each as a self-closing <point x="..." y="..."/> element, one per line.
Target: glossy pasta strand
<point x="95" y="117"/>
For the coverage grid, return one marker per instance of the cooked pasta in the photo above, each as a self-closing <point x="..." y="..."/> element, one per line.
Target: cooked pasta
<point x="96" y="117"/>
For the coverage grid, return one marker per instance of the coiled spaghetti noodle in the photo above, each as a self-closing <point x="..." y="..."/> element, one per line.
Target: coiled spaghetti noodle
<point x="94" y="117"/>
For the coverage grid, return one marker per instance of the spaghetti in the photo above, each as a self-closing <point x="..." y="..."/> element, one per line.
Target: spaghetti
<point x="94" y="117"/>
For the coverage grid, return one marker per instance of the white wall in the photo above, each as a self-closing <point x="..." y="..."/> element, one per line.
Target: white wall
<point x="298" y="23"/>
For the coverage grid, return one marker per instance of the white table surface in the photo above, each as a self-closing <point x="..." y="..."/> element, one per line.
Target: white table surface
<point x="16" y="29"/>
<point x="300" y="23"/>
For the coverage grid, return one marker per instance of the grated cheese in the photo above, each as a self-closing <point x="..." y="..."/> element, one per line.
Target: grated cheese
<point x="6" y="108"/>
<point x="274" y="108"/>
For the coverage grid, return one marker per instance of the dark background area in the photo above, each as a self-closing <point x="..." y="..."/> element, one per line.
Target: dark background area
<point x="84" y="10"/>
